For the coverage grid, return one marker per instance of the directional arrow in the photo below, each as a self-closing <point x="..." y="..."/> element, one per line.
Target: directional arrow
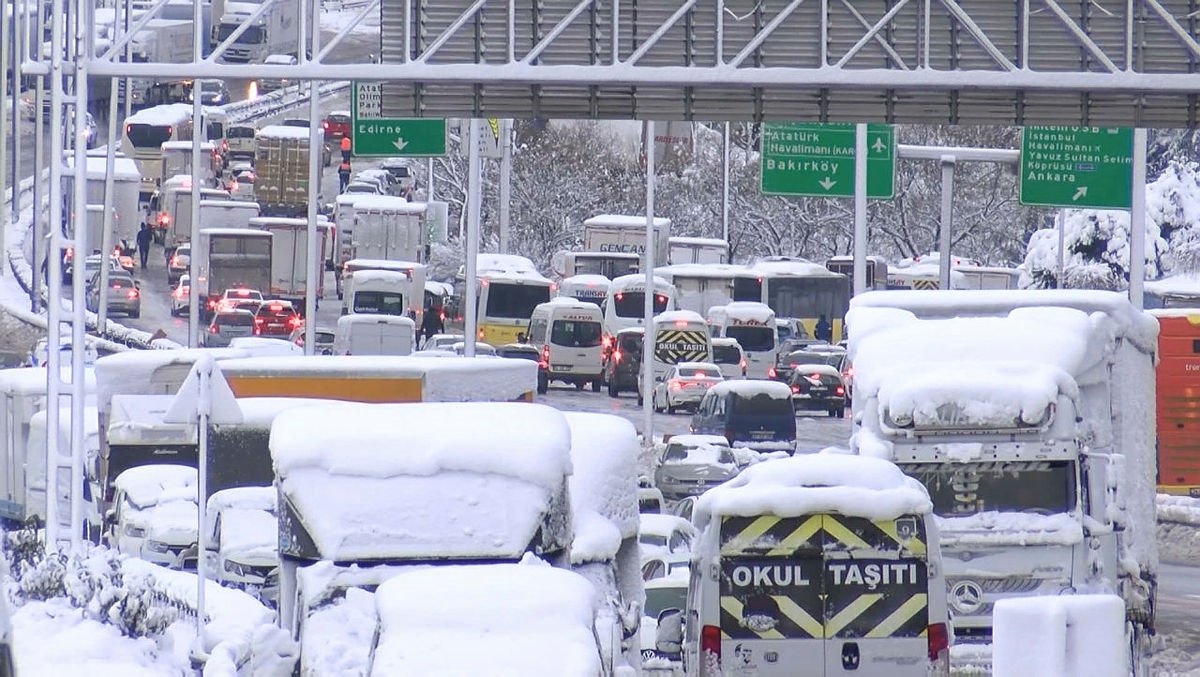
<point x="878" y="146"/>
<point x="399" y="143"/>
<point x="827" y="183"/>
<point x="1079" y="192"/>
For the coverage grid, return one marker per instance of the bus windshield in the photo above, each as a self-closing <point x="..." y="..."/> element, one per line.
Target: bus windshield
<point x="807" y="297"/>
<point x="964" y="489"/>
<point x="632" y="304"/>
<point x="148" y="136"/>
<point x="752" y="339"/>
<point x="514" y="301"/>
<point x="378" y="303"/>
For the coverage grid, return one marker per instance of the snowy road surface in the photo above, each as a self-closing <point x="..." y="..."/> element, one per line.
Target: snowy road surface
<point x="1178" y="620"/>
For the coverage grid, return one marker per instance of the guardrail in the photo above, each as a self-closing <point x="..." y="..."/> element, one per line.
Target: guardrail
<point x="117" y="337"/>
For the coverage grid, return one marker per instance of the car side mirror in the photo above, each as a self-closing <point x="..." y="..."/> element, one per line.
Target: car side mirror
<point x="658" y="379"/>
<point x="668" y="637"/>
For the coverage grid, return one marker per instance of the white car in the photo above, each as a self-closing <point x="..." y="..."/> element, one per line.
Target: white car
<point x="181" y="295"/>
<point x="662" y="594"/>
<point x="154" y="513"/>
<point x="442" y="342"/>
<point x="664" y="534"/>
<point x="684" y="385"/>
<point x="241" y="182"/>
<point x="243" y="542"/>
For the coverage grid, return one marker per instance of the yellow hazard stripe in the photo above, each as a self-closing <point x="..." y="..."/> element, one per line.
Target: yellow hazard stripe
<point x="798" y="615"/>
<point x="847" y="615"/>
<point x="799" y="537"/>
<point x="746" y="537"/>
<point x="734" y="608"/>
<point x="900" y="616"/>
<point x="839" y="531"/>
<point x="913" y="545"/>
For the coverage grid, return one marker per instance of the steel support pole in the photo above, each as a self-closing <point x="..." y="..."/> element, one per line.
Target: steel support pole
<point x="860" y="210"/>
<point x="6" y="171"/>
<point x="198" y="134"/>
<point x="430" y="191"/>
<point x="725" y="188"/>
<point x="471" y="300"/>
<point x="947" y="223"/>
<point x="648" y="311"/>
<point x="83" y="36"/>
<point x="204" y="368"/>
<point x="54" y="273"/>
<point x="18" y="55"/>
<point x="505" y="183"/>
<point x="316" y="139"/>
<point x="1137" y="220"/>
<point x="1060" y="223"/>
<point x="39" y="140"/>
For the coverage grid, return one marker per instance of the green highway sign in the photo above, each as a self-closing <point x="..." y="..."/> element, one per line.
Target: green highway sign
<point x="1076" y="167"/>
<point x="817" y="160"/>
<point x="377" y="136"/>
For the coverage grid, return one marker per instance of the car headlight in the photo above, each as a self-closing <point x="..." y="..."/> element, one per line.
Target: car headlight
<point x="134" y="531"/>
<point x="156" y="546"/>
<point x="234" y="568"/>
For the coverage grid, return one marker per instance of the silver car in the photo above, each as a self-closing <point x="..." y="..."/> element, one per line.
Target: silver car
<point x="122" y="292"/>
<point x="689" y="465"/>
<point x="227" y="325"/>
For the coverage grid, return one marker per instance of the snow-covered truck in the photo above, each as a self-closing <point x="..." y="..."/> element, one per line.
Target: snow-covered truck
<point x="231" y="258"/>
<point x="227" y="213"/>
<point x="127" y="217"/>
<point x="345" y="473"/>
<point x="1029" y="416"/>
<point x="159" y="41"/>
<point x="698" y="250"/>
<point x="276" y="31"/>
<point x="387" y="228"/>
<point x="613" y="246"/>
<point x="289" y="257"/>
<point x="281" y="166"/>
<point x="171" y="210"/>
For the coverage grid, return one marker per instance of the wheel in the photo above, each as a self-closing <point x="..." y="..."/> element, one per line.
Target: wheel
<point x="596" y="386"/>
<point x="670" y="409"/>
<point x="543" y="385"/>
<point x="639" y="399"/>
<point x="613" y="390"/>
<point x="579" y="385"/>
<point x="135" y="314"/>
<point x="841" y="412"/>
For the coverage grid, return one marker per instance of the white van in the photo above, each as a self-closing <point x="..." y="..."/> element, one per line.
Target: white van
<point x="679" y="336"/>
<point x="753" y="326"/>
<point x="826" y="561"/>
<point x="590" y="288"/>
<point x="374" y="335"/>
<point x="625" y="306"/>
<point x="569" y="336"/>
<point x="389" y="288"/>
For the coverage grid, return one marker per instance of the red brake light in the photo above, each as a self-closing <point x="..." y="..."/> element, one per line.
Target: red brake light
<point x="545" y="361"/>
<point x="275" y="307"/>
<point x="815" y="377"/>
<point x="938" y="640"/>
<point x="294" y="321"/>
<point x="325" y="124"/>
<point x="680" y="323"/>
<point x="796" y="389"/>
<point x="839" y="390"/>
<point x="620" y="295"/>
<point x="212" y="329"/>
<point x="243" y="292"/>
<point x="742" y="364"/>
<point x="133" y="293"/>
<point x="616" y="356"/>
<point x="176" y="261"/>
<point x="164" y="219"/>
<point x="675" y="385"/>
<point x="170" y="131"/>
<point x="771" y="372"/>
<point x="710" y="644"/>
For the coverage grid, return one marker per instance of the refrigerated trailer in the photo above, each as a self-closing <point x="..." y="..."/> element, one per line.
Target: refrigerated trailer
<point x="289" y="257"/>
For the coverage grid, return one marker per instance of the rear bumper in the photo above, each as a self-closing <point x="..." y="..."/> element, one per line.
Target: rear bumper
<point x="818" y="403"/>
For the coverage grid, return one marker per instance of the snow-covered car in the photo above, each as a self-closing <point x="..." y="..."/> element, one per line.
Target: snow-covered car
<point x="481" y="349"/>
<point x="818" y="387"/>
<point x="689" y="465"/>
<point x="241" y="182"/>
<point x="181" y="295"/>
<point x="664" y="534"/>
<point x="441" y="342"/>
<point x="463" y="620"/>
<point x="666" y="564"/>
<point x="729" y="357"/>
<point x="662" y="594"/>
<point x="243" y="541"/>
<point x="154" y="514"/>
<point x="684" y="385"/>
<point x="322" y="337"/>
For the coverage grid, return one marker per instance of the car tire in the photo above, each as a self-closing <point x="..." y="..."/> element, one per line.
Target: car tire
<point x="596" y="386"/>
<point x="670" y="409"/>
<point x="841" y="412"/>
<point x="640" y="401"/>
<point x="613" y="390"/>
<point x="135" y="314"/>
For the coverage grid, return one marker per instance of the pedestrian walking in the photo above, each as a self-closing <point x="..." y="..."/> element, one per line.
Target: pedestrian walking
<point x="345" y="148"/>
<point x="343" y="175"/>
<point x="143" y="243"/>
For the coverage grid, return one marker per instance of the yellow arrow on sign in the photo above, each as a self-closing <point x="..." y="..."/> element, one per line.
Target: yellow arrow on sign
<point x="494" y="124"/>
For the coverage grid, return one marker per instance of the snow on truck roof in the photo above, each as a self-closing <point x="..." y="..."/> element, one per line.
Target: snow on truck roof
<point x="383" y="275"/>
<point x="388" y="203"/>
<point x="32" y="380"/>
<point x="167" y="114"/>
<point x="805" y="484"/>
<point x="1184" y="284"/>
<point x="699" y="241"/>
<point x="804" y="268"/>
<point x="124" y="169"/>
<point x="604" y="451"/>
<point x="624" y="221"/>
<point x="511" y="619"/>
<point x="284" y="132"/>
<point x="388" y="440"/>
<point x="701" y="270"/>
<point x="133" y="370"/>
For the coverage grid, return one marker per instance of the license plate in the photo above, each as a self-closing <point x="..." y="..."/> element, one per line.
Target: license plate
<point x="821" y="389"/>
<point x="762" y="434"/>
<point x="560" y="367"/>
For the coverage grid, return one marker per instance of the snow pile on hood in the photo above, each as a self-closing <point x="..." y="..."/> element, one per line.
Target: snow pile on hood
<point x="855" y="486"/>
<point x="149" y="485"/>
<point x="995" y="529"/>
<point x="604" y="450"/>
<point x="249" y="536"/>
<point x="138" y="419"/>
<point x="502" y="619"/>
<point x="471" y="479"/>
<point x="246" y="498"/>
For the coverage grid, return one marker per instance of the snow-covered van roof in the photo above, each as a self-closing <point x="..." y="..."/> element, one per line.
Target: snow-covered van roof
<point x="805" y="484"/>
<point x="568" y="303"/>
<point x="751" y="311"/>
<point x="604" y="451"/>
<point x="145" y="485"/>
<point x="387" y="203"/>
<point x="687" y="316"/>
<point x="1183" y="284"/>
<point x="625" y="221"/>
<point x="246" y="498"/>
<point x="187" y="145"/>
<point x="586" y="280"/>
<point x="637" y="281"/>
<point x="510" y="619"/>
<point x="752" y="388"/>
<point x="133" y="371"/>
<point x="124" y="169"/>
<point x="168" y="114"/>
<point x="488" y="261"/>
<point x="383" y="276"/>
<point x="242" y="205"/>
<point x="381" y="264"/>
<point x="284" y="132"/>
<point x="472" y="479"/>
